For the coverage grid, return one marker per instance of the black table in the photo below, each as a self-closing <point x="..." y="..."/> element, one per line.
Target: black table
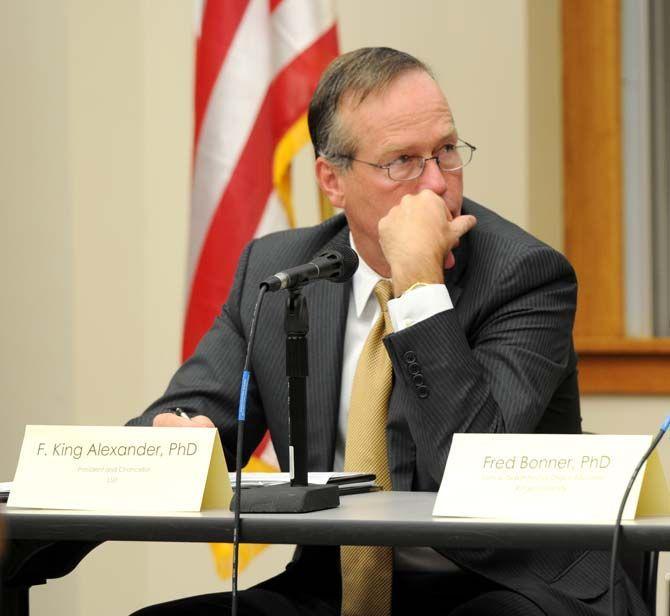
<point x="46" y="544"/>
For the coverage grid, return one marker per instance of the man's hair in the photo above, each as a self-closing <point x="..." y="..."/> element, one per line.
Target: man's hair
<point x="355" y="74"/>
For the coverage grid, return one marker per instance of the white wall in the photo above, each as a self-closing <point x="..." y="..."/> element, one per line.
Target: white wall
<point x="96" y="122"/>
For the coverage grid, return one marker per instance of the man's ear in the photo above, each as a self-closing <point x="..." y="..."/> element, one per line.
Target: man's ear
<point x="330" y="181"/>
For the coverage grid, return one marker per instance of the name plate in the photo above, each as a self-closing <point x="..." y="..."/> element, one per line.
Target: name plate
<point x="121" y="469"/>
<point x="550" y="478"/>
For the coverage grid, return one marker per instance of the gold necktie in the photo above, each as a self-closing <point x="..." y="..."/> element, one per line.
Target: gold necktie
<point x="367" y="571"/>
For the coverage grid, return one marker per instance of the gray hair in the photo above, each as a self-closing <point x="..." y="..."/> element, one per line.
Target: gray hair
<point x="356" y="74"/>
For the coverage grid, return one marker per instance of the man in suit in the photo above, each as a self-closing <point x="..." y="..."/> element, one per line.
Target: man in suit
<point x="478" y="338"/>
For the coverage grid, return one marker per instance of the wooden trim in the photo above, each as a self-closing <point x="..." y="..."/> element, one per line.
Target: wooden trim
<point x="609" y="362"/>
<point x="639" y="366"/>
<point x="623" y="346"/>
<point x="592" y="162"/>
<point x="638" y="374"/>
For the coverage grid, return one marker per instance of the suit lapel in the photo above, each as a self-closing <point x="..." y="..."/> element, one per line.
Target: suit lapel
<point x="328" y="305"/>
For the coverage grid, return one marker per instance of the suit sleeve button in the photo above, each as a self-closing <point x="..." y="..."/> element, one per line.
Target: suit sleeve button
<point x="422" y="391"/>
<point x="410" y="356"/>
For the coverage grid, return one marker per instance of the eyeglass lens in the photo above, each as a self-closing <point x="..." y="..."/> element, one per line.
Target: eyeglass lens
<point x="448" y="160"/>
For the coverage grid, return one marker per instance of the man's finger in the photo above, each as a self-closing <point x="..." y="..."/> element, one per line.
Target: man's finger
<point x="201" y="421"/>
<point x="170" y="420"/>
<point x="462" y="224"/>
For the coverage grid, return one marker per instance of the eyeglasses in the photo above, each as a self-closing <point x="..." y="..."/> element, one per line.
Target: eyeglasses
<point x="404" y="168"/>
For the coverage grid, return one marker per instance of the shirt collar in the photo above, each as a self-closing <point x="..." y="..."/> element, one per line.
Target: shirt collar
<point x="363" y="282"/>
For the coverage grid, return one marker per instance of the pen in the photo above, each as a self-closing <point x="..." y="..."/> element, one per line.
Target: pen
<point x="180" y="412"/>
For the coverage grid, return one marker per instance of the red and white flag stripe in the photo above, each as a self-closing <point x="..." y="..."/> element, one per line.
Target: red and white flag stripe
<point x="258" y="63"/>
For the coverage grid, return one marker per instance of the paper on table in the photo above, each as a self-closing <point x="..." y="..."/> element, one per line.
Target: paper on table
<point x="319" y="478"/>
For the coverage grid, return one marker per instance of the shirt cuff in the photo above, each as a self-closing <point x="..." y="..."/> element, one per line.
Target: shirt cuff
<point x="418" y="304"/>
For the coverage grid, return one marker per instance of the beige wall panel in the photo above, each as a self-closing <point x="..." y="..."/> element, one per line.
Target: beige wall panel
<point x="36" y="311"/>
<point x="168" y="77"/>
<point x="545" y="136"/>
<point x="106" y="166"/>
<point x="35" y="234"/>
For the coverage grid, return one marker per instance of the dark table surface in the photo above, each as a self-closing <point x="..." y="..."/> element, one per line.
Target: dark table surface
<point x="380" y="518"/>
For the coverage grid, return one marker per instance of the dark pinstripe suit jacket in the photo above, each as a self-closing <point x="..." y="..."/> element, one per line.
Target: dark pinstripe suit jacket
<point x="501" y="361"/>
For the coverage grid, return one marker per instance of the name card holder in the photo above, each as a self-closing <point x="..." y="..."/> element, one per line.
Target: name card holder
<point x="550" y="478"/>
<point x="121" y="469"/>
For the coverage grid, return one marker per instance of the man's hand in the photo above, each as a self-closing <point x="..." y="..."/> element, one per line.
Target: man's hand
<point x="170" y="420"/>
<point x="417" y="237"/>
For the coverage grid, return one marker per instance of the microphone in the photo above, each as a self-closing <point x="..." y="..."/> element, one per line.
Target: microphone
<point x="335" y="265"/>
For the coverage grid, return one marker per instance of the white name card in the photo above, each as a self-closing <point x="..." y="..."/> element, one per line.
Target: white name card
<point x="121" y="469"/>
<point x="550" y="478"/>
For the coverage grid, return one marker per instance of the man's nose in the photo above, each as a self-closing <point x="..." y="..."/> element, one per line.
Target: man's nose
<point x="433" y="177"/>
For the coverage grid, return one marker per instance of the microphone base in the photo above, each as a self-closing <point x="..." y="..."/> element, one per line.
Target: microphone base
<point x="285" y="498"/>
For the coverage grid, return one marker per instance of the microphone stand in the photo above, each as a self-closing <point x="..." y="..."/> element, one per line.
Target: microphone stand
<point x="297" y="496"/>
<point x="296" y="326"/>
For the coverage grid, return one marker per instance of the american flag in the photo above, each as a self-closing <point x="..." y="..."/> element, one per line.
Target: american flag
<point x="257" y="66"/>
